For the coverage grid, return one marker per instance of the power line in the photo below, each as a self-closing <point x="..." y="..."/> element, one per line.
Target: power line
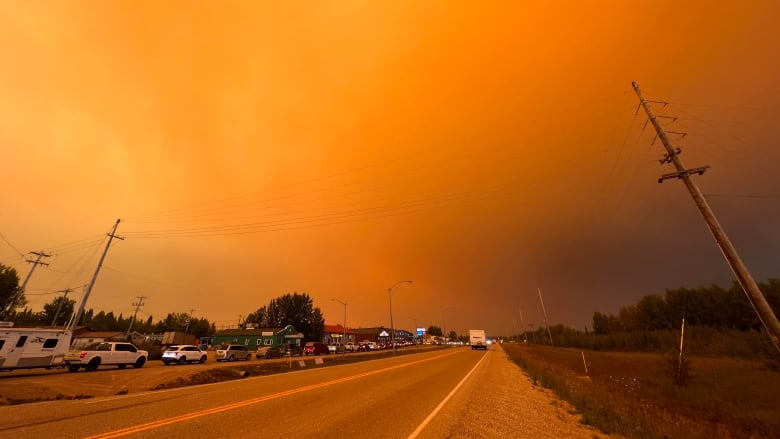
<point x="11" y="245"/>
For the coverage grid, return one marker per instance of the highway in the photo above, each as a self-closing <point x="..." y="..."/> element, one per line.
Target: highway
<point x="394" y="397"/>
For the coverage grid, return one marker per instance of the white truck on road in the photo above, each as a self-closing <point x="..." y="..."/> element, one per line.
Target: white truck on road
<point x="477" y="339"/>
<point x="108" y="353"/>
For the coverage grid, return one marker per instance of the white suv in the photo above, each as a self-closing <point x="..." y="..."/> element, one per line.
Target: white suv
<point x="183" y="354"/>
<point x="233" y="352"/>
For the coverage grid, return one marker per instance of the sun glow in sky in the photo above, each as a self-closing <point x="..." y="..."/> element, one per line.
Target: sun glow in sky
<point x="482" y="150"/>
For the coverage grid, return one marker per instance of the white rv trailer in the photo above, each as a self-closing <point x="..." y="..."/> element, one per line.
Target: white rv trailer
<point x="28" y="348"/>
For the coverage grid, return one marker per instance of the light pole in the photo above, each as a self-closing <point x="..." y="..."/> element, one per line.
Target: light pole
<point x="444" y="323"/>
<point x="343" y="336"/>
<point x="390" y="296"/>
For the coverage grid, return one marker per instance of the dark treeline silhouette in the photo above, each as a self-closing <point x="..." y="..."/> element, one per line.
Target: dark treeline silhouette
<point x="108" y="321"/>
<point x="718" y="321"/>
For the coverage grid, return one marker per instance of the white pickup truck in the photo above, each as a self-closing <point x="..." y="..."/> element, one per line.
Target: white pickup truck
<point x="107" y="353"/>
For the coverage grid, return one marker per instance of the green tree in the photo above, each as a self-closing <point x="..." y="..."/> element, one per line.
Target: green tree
<point x="60" y="308"/>
<point x="435" y="330"/>
<point x="291" y="309"/>
<point x="9" y="287"/>
<point x="452" y="336"/>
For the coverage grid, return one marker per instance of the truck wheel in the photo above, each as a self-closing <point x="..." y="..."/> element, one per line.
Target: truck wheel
<point x="182" y="360"/>
<point x="73" y="368"/>
<point x="202" y="359"/>
<point x="139" y="362"/>
<point x="231" y="358"/>
<point x="93" y="364"/>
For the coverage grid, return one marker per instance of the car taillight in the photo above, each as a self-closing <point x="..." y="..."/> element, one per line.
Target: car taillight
<point x="82" y="355"/>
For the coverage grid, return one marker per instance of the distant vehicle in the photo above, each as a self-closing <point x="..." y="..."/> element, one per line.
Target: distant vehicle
<point x="181" y="354"/>
<point x="171" y="338"/>
<point x="291" y="350"/>
<point x="107" y="353"/>
<point x="366" y="346"/>
<point x="268" y="352"/>
<point x="233" y="352"/>
<point x="336" y="348"/>
<point x="350" y="347"/>
<point x="315" y="348"/>
<point x="477" y="339"/>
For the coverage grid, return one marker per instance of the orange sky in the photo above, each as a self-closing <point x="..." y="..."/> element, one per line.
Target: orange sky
<point x="482" y="150"/>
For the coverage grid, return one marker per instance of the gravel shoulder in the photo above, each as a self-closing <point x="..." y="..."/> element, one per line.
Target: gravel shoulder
<point x="500" y="401"/>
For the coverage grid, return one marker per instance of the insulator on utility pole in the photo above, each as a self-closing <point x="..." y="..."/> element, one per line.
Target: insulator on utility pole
<point x="756" y="298"/>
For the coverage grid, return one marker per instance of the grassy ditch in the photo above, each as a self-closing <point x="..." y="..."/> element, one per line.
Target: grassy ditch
<point x="634" y="394"/>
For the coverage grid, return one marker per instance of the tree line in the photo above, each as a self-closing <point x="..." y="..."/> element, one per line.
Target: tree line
<point x="290" y="309"/>
<point x="719" y="321"/>
<point x="713" y="306"/>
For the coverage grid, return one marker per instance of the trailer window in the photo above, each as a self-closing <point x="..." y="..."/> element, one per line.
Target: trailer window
<point x="22" y="341"/>
<point x="2" y="342"/>
<point x="50" y="343"/>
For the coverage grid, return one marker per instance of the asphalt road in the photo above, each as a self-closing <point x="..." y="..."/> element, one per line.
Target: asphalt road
<point x="392" y="397"/>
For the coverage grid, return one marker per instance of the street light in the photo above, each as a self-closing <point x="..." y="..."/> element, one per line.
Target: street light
<point x="345" y="323"/>
<point x="390" y="296"/>
<point x="444" y="323"/>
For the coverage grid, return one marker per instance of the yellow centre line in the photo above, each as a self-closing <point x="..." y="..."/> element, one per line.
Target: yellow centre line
<point x="236" y="405"/>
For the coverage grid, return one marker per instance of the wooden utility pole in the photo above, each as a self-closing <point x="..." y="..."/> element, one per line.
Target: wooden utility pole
<point x="749" y="286"/>
<point x="137" y="305"/>
<point x="9" y="310"/>
<point x="59" y="306"/>
<point x="80" y="310"/>
<point x="189" y="319"/>
<point x="549" y="334"/>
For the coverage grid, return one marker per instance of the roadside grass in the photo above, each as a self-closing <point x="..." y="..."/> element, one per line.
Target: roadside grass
<point x="633" y="394"/>
<point x="58" y="397"/>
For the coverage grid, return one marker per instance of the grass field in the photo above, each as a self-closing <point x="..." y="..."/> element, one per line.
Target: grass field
<point x="633" y="394"/>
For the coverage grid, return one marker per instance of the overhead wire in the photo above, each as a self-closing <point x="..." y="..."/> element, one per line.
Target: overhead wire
<point x="442" y="196"/>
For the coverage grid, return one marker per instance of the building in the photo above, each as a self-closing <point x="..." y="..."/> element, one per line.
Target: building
<point x="255" y="338"/>
<point x="335" y="333"/>
<point x="381" y="334"/>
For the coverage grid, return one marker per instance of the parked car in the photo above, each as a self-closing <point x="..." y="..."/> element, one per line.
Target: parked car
<point x="233" y="352"/>
<point x="292" y="350"/>
<point x="336" y="348"/>
<point x="366" y="346"/>
<point x="350" y="347"/>
<point x="315" y="348"/>
<point x="182" y="354"/>
<point x="268" y="352"/>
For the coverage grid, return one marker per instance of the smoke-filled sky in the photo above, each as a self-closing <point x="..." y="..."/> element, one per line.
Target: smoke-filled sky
<point x="484" y="150"/>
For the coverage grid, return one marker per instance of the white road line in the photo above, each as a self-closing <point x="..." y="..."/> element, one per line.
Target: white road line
<point x="438" y="408"/>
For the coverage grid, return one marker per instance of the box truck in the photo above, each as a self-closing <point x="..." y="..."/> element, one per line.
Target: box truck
<point x="477" y="339"/>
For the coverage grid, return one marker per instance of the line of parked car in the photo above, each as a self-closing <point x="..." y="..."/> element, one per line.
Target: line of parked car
<point x="183" y="354"/>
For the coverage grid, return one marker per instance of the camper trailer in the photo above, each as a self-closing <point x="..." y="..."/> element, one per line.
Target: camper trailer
<point x="28" y="348"/>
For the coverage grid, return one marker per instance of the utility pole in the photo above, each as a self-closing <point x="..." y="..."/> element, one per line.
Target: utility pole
<point x="749" y="286"/>
<point x="137" y="305"/>
<point x="59" y="307"/>
<point x="522" y="325"/>
<point x="80" y="311"/>
<point x="189" y="319"/>
<point x="9" y="310"/>
<point x="544" y="311"/>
